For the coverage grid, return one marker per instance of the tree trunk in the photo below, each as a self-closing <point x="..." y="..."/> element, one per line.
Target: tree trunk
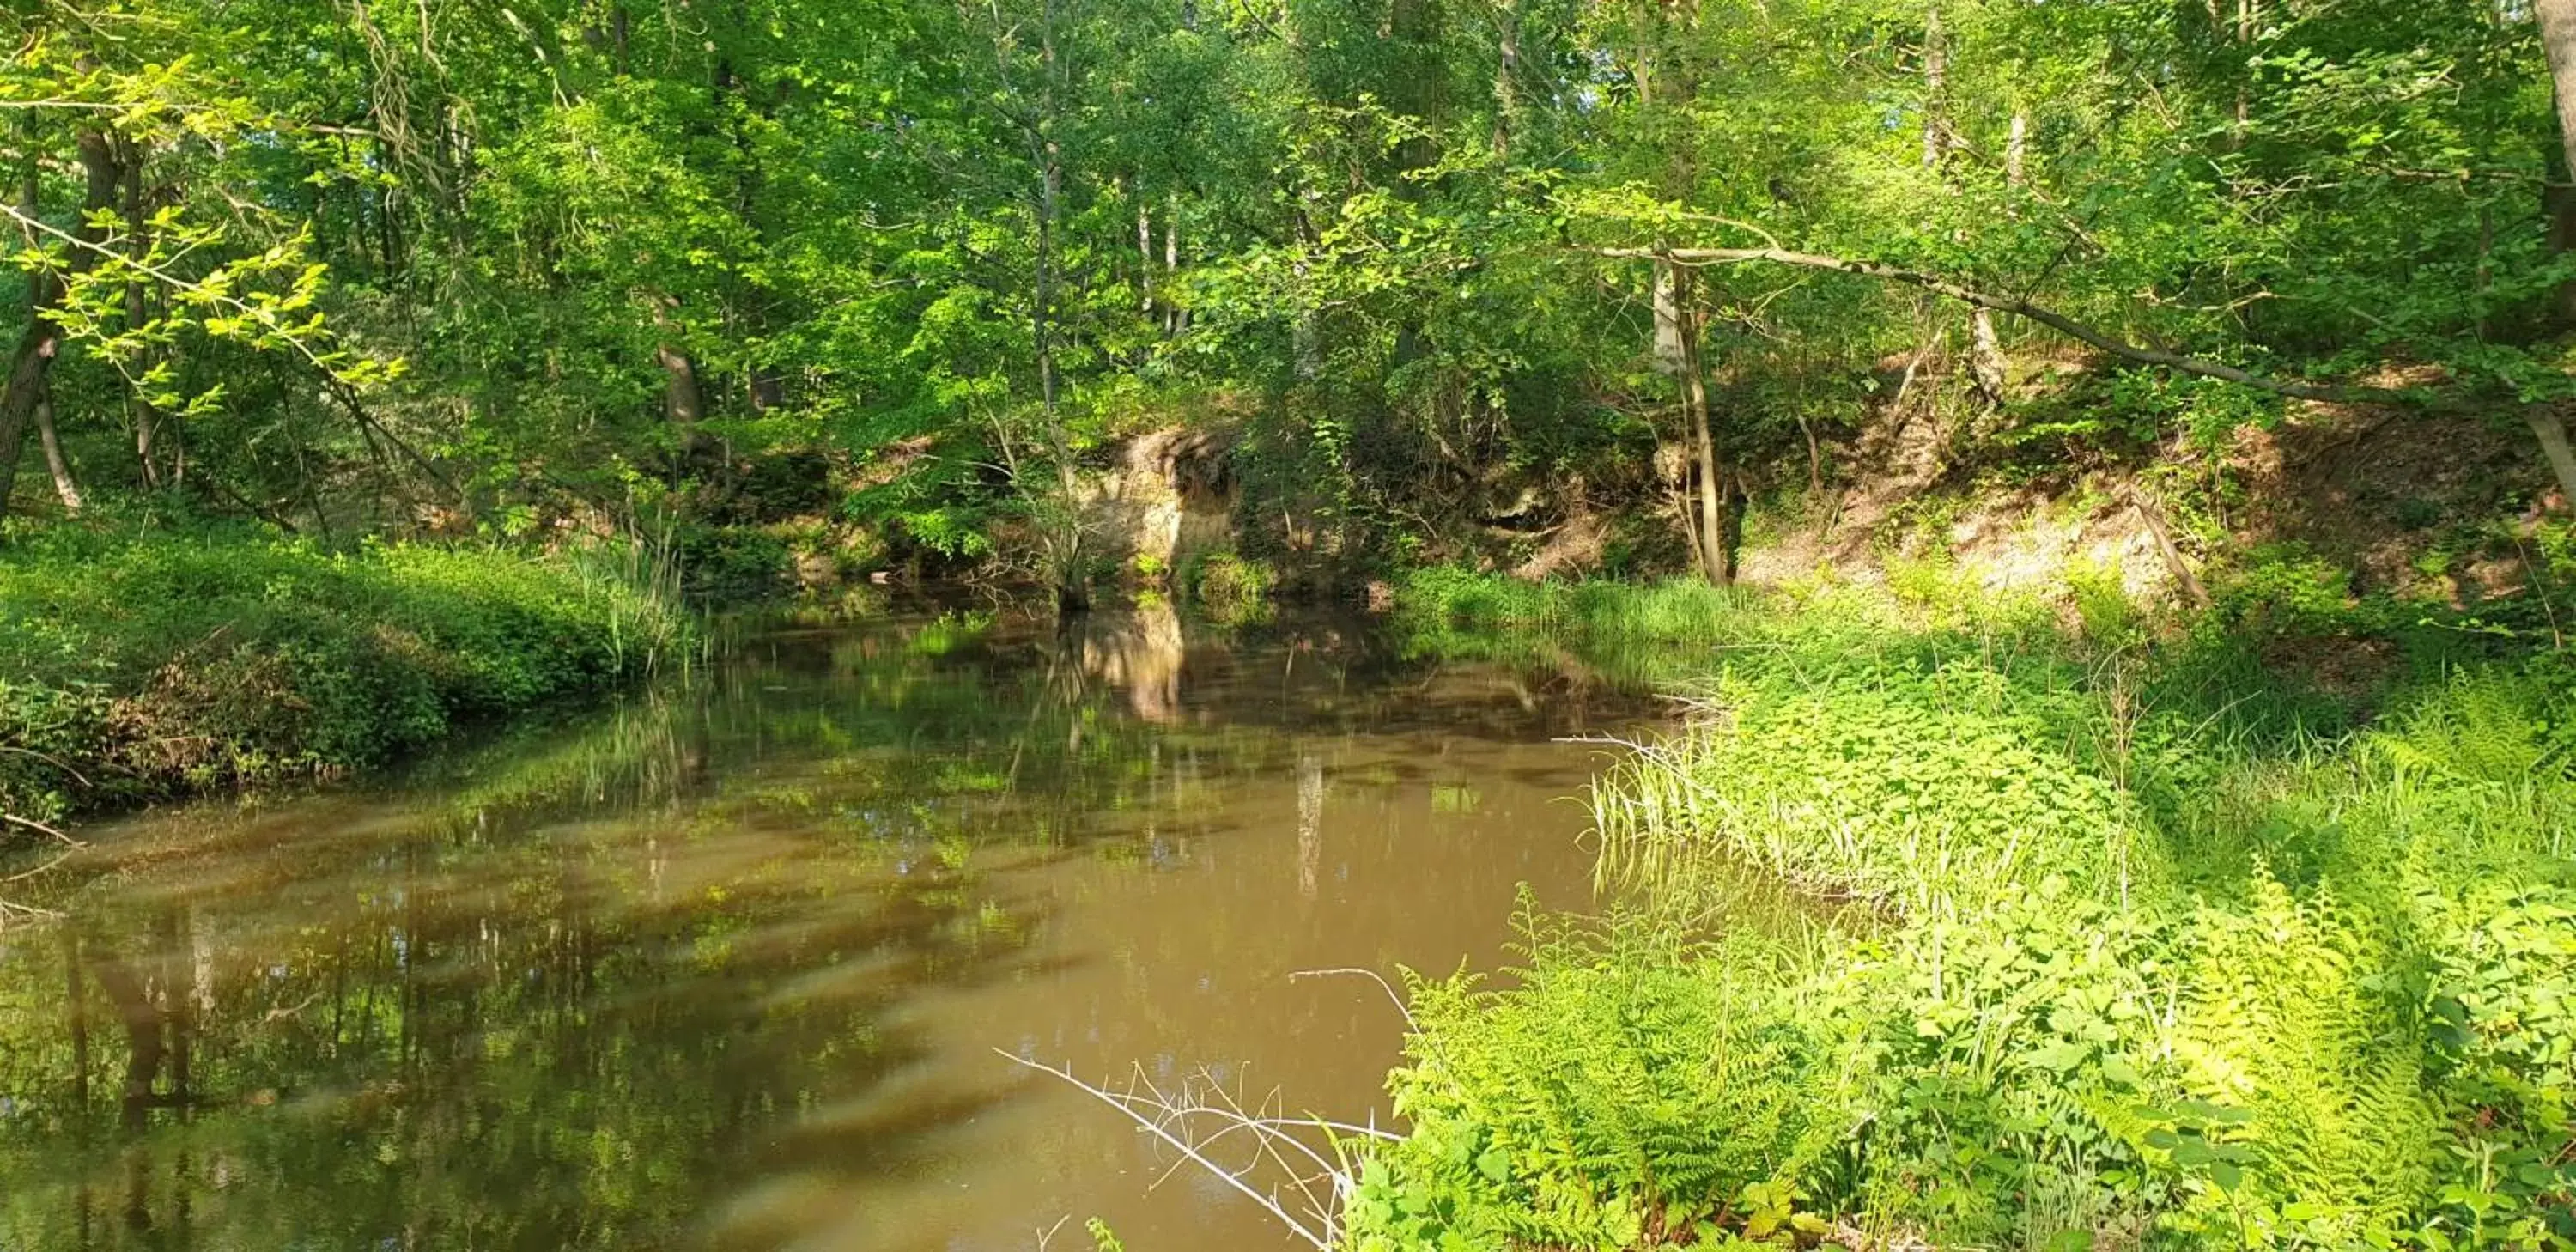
<point x="683" y="401"/>
<point x="65" y="486"/>
<point x="1936" y="80"/>
<point x="1144" y="258"/>
<point x="1986" y="366"/>
<point x="31" y="365"/>
<point x="146" y="441"/>
<point x="2558" y="38"/>
<point x="1986" y="361"/>
<point x="1712" y="483"/>
<point x="1072" y="590"/>
<point x="1176" y="317"/>
<point x="2246" y="15"/>
<point x="1507" y="70"/>
<point x="145" y="415"/>
<point x="2551" y="430"/>
<point x="1670" y="357"/>
<point x="1712" y="499"/>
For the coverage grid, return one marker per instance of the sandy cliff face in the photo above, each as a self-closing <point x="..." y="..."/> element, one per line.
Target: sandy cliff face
<point x="1169" y="495"/>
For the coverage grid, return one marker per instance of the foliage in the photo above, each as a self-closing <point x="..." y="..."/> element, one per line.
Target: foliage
<point x="565" y="266"/>
<point x="1231" y="588"/>
<point x="1620" y="1094"/>
<point x="144" y="660"/>
<point x="1929" y="790"/>
<point x="2148" y="952"/>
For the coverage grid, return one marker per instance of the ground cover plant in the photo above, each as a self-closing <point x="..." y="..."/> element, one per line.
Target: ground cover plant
<point x="141" y="660"/>
<point x="2114" y="959"/>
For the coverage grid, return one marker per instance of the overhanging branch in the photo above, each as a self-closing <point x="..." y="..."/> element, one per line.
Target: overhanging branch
<point x="2054" y="320"/>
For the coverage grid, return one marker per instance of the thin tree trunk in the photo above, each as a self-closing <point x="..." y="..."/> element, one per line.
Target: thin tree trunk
<point x="1712" y="501"/>
<point x="1176" y="318"/>
<point x="2246" y="13"/>
<point x="1144" y="258"/>
<point x="2558" y="38"/>
<point x="30" y="367"/>
<point x="1683" y="509"/>
<point x="1670" y="356"/>
<point x="1507" y="70"/>
<point x="684" y="400"/>
<point x="146" y="416"/>
<point x="1986" y="356"/>
<point x="1992" y="373"/>
<point x="1071" y="591"/>
<point x="1936" y="80"/>
<point x="64" y="485"/>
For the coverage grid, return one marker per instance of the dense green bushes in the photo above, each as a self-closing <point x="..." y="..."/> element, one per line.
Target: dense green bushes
<point x="2143" y="947"/>
<point x="137" y="662"/>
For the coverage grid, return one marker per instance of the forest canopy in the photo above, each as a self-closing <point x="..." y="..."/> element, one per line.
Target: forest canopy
<point x="542" y="265"/>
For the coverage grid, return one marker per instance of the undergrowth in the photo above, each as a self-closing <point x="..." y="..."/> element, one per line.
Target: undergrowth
<point x="2142" y="939"/>
<point x="138" y="661"/>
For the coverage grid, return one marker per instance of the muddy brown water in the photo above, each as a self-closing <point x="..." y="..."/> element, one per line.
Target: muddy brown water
<point x="726" y="965"/>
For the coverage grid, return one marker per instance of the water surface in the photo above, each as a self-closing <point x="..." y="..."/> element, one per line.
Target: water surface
<point x="725" y="965"/>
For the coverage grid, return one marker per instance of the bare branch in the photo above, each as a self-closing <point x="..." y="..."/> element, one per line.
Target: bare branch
<point x="1372" y="976"/>
<point x="1158" y="1114"/>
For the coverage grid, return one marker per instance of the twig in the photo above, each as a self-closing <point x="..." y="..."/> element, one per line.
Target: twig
<point x="1321" y="1241"/>
<point x="1372" y="976"/>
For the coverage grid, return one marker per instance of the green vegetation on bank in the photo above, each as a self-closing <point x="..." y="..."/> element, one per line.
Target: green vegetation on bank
<point x="140" y="660"/>
<point x="2122" y="937"/>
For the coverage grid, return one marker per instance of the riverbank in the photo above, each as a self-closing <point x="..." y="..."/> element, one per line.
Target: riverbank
<point x="2245" y="928"/>
<point x="140" y="662"/>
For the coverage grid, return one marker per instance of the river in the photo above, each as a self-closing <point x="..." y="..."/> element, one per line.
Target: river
<point x="726" y="964"/>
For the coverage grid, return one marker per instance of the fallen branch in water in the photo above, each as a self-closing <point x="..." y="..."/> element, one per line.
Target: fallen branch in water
<point x="1181" y="1120"/>
<point x="30" y="823"/>
<point x="10" y="910"/>
<point x="1372" y="976"/>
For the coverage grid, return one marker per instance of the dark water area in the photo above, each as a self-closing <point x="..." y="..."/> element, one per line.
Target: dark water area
<point x="725" y="965"/>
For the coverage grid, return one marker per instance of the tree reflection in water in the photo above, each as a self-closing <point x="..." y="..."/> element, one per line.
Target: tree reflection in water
<point x="569" y="989"/>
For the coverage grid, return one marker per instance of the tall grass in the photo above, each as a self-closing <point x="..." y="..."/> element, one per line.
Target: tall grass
<point x="140" y="661"/>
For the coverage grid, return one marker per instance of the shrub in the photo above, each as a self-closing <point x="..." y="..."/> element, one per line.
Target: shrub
<point x="137" y="663"/>
<point x="1231" y="588"/>
<point x="1620" y="1095"/>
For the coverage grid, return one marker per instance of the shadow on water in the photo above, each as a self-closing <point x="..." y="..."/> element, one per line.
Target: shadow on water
<point x="723" y="965"/>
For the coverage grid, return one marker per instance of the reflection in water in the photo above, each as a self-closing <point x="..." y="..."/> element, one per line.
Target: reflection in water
<point x="1138" y="650"/>
<point x="723" y="967"/>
